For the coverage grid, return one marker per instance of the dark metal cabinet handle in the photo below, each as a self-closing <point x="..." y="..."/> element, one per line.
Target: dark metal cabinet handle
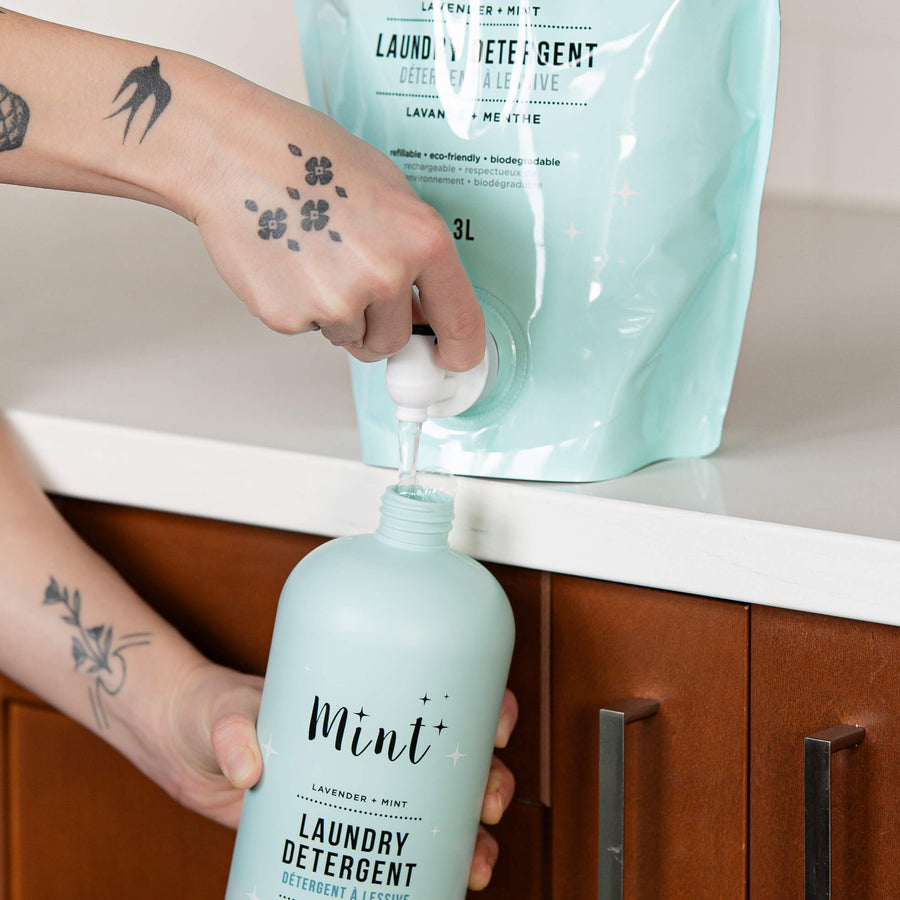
<point x="817" y="751"/>
<point x="610" y="872"/>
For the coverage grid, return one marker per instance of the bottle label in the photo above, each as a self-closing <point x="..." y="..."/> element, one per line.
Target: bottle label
<point x="373" y="778"/>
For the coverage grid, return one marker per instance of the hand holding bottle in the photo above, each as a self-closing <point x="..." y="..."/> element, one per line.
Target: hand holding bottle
<point x="217" y="755"/>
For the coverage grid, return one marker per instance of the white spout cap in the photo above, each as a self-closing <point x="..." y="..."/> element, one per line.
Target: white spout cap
<point x="421" y="389"/>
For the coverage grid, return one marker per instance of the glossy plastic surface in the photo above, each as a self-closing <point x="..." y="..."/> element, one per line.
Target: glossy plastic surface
<point x="602" y="166"/>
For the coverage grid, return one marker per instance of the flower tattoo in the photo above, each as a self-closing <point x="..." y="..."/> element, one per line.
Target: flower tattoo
<point x="271" y="224"/>
<point x="313" y="213"/>
<point x="94" y="649"/>
<point x="318" y="170"/>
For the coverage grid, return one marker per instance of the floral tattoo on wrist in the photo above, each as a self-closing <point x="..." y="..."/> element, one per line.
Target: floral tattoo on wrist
<point x="95" y="650"/>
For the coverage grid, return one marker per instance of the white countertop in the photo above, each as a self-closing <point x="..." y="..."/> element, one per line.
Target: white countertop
<point x="131" y="374"/>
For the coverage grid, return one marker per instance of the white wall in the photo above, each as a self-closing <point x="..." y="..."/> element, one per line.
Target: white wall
<point x="837" y="131"/>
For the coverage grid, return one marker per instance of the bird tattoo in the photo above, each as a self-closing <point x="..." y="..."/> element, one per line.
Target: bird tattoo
<point x="147" y="83"/>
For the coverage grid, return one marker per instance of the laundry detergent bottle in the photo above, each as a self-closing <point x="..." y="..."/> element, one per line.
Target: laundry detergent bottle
<point x="383" y="690"/>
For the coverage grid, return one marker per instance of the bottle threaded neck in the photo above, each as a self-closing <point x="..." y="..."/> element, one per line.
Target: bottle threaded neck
<point x="415" y="516"/>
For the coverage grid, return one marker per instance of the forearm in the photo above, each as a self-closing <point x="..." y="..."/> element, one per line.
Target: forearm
<point x="308" y="225"/>
<point x="75" y="634"/>
<point x="92" y="113"/>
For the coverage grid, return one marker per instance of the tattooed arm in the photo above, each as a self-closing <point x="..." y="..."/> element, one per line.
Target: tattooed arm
<point x="309" y="226"/>
<point x="75" y="634"/>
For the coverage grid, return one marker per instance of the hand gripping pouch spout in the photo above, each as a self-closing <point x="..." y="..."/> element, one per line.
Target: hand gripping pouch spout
<point x="601" y="167"/>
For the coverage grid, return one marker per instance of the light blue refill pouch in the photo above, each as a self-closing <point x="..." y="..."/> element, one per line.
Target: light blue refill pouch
<point x="601" y="165"/>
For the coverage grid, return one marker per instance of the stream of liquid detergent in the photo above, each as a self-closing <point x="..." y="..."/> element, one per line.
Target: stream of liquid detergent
<point x="408" y="435"/>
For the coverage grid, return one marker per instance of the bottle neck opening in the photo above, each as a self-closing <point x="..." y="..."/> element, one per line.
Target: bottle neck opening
<point x="415" y="516"/>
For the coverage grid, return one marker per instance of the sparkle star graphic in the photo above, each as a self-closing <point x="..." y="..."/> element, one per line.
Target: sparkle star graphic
<point x="625" y="193"/>
<point x="362" y="714"/>
<point x="252" y="894"/>
<point x="440" y="728"/>
<point x="456" y="756"/>
<point x="268" y="750"/>
<point x="435" y="831"/>
<point x="425" y="699"/>
<point x="571" y="231"/>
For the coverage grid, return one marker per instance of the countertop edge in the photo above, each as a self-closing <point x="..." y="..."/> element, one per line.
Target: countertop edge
<point x="496" y="521"/>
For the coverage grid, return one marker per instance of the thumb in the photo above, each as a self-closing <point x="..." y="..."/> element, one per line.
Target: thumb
<point x="234" y="740"/>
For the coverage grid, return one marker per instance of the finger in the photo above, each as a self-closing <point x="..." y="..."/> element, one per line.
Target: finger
<point x="237" y="750"/>
<point x="452" y="309"/>
<point x="349" y="333"/>
<point x="483" y="860"/>
<point x="509" y="715"/>
<point x="388" y="327"/>
<point x="498" y="794"/>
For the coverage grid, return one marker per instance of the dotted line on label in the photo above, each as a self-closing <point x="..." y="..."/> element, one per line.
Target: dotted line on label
<point x="514" y="24"/>
<point x="404" y="94"/>
<point x="536" y="102"/>
<point x="482" y="99"/>
<point x="365" y="812"/>
<point x="539" y="26"/>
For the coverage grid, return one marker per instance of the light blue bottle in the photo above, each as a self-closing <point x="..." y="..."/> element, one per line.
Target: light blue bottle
<point x="383" y="690"/>
<point x="601" y="166"/>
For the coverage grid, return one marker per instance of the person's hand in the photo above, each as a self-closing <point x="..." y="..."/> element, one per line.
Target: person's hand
<point x="497" y="797"/>
<point x="213" y="735"/>
<point x="309" y="226"/>
<point x="214" y="754"/>
<point x="315" y="229"/>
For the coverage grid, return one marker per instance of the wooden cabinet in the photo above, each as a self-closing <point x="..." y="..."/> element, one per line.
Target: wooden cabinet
<point x="685" y="768"/>
<point x="713" y="787"/>
<point x="809" y="673"/>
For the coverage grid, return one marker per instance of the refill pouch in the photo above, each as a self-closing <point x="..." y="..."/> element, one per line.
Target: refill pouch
<point x="601" y="166"/>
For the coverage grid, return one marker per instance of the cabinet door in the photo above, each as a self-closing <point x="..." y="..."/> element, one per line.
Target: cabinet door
<point x="809" y="673"/>
<point x="685" y="767"/>
<point x="84" y="823"/>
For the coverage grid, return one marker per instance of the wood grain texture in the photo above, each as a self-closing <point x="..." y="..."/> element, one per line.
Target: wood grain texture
<point x="809" y="673"/>
<point x="84" y="823"/>
<point x="685" y="794"/>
